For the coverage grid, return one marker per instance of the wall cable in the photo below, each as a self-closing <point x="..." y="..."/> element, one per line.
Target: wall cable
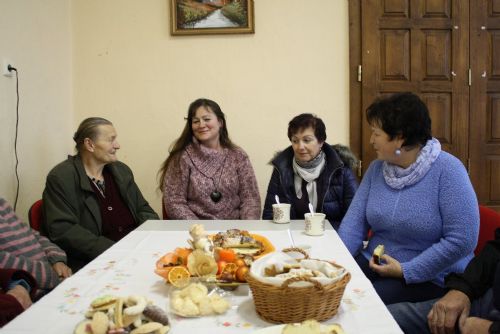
<point x="16" y="135"/>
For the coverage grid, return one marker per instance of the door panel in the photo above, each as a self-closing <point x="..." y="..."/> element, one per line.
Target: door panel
<point x="418" y="46"/>
<point x="485" y="102"/>
<point x="439" y="106"/>
<point x="427" y="47"/>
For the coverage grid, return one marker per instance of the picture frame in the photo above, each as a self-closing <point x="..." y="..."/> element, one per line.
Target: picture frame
<point x="205" y="17"/>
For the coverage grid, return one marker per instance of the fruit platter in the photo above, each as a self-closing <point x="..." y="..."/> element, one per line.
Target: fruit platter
<point x="223" y="258"/>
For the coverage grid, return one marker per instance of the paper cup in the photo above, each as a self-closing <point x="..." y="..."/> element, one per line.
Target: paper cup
<point x="281" y="213"/>
<point x="315" y="223"/>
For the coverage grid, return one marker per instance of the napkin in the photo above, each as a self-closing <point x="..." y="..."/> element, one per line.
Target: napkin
<point x="280" y="259"/>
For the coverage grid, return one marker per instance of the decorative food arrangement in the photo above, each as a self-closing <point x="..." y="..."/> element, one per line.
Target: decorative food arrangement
<point x="130" y="315"/>
<point x="224" y="258"/>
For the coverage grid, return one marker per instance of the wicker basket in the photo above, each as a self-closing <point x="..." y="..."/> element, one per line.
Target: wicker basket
<point x="285" y="304"/>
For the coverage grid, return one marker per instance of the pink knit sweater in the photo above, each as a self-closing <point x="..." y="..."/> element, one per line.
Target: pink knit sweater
<point x="186" y="194"/>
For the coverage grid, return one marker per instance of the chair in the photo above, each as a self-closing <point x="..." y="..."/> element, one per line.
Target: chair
<point x="35" y="216"/>
<point x="489" y="221"/>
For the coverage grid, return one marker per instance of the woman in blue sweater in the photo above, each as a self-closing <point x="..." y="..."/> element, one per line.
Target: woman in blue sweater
<point x="418" y="202"/>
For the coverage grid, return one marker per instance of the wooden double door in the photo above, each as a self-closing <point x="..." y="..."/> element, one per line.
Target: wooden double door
<point x="447" y="52"/>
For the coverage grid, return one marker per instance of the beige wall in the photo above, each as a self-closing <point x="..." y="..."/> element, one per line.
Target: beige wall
<point x="128" y="67"/>
<point x="120" y="61"/>
<point x="36" y="37"/>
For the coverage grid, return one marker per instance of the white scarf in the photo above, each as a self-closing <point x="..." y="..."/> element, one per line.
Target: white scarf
<point x="309" y="172"/>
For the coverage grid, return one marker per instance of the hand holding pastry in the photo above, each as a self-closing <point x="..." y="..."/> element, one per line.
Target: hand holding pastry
<point x="390" y="268"/>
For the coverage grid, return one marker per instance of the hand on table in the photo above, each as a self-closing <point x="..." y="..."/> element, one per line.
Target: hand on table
<point x="455" y="305"/>
<point x="390" y="267"/>
<point x="62" y="270"/>
<point x="474" y="325"/>
<point x="22" y="295"/>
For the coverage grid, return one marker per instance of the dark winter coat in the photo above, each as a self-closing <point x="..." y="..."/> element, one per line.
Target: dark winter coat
<point x="71" y="209"/>
<point x="336" y="185"/>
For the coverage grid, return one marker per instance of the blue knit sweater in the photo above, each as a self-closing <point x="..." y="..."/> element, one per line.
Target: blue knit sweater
<point x="430" y="227"/>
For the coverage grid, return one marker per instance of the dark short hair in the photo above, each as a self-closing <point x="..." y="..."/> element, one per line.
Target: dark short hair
<point x="401" y="114"/>
<point x="88" y="128"/>
<point x="304" y="121"/>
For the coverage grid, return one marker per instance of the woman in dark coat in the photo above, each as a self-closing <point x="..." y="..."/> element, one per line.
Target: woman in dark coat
<point x="312" y="171"/>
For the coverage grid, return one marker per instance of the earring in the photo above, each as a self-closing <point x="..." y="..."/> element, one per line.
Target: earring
<point x="397" y="151"/>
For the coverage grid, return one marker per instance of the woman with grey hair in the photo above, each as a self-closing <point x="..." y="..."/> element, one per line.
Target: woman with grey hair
<point x="91" y="200"/>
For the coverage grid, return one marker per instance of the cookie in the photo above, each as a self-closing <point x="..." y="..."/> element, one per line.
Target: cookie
<point x="103" y="303"/>
<point x="156" y="314"/>
<point x="136" y="305"/>
<point x="83" y="327"/>
<point x="130" y="319"/>
<point x="163" y="330"/>
<point x="99" y="323"/>
<point x="147" y="328"/>
<point x="118" y="313"/>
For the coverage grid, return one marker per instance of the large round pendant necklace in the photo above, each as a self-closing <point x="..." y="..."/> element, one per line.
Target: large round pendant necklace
<point x="215" y="196"/>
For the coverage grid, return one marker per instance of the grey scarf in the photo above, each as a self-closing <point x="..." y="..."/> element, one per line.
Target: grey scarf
<point x="308" y="171"/>
<point x="398" y="178"/>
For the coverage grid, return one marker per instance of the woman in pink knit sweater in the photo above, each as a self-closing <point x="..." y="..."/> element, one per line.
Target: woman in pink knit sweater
<point x="206" y="176"/>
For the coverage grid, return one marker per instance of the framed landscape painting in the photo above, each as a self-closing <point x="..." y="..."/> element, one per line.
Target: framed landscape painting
<point x="197" y="17"/>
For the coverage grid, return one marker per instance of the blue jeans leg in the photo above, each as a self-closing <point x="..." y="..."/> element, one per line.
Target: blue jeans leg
<point x="412" y="317"/>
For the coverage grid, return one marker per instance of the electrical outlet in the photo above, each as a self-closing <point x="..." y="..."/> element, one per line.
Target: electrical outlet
<point x="5" y="69"/>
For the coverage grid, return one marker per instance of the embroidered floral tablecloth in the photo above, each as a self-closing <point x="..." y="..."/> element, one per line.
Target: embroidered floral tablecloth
<point x="127" y="268"/>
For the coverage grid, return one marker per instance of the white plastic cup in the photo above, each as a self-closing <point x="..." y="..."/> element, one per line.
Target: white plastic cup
<point x="315" y="223"/>
<point x="281" y="213"/>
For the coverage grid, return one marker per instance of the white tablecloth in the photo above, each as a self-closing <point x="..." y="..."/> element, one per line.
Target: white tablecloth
<point x="127" y="268"/>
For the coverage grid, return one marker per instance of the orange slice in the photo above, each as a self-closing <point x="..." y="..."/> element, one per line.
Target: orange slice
<point x="178" y="276"/>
